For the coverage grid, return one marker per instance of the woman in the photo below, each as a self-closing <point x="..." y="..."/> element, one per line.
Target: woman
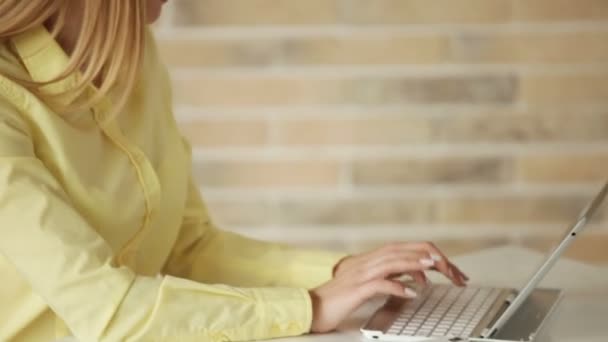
<point x="103" y="234"/>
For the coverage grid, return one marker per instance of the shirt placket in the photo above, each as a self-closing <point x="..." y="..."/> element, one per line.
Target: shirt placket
<point x="44" y="60"/>
<point x="146" y="176"/>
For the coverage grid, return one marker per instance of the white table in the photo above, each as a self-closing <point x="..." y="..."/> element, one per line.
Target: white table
<point x="582" y="316"/>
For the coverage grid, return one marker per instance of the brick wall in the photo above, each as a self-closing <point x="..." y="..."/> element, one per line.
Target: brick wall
<point x="344" y="123"/>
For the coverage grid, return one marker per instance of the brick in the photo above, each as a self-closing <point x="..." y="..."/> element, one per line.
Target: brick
<point x="345" y="131"/>
<point x="450" y="247"/>
<point x="565" y="89"/>
<point x="245" y="92"/>
<point x="262" y="90"/>
<point x="390" y="12"/>
<point x="254" y="12"/>
<point x="221" y="52"/>
<point x="555" y="10"/>
<point x="584" y="168"/>
<point x="340" y="50"/>
<point x="431" y="171"/>
<point x="267" y="174"/>
<point x="528" y="127"/>
<point x="353" y="211"/>
<point x="589" y="248"/>
<point x="509" y="209"/>
<point x="249" y="213"/>
<point x="367" y="50"/>
<point x="532" y="48"/>
<point x="499" y="89"/>
<point x="453" y="247"/>
<point x="218" y="133"/>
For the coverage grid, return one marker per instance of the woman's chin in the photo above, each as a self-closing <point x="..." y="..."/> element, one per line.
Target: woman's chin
<point x="153" y="15"/>
<point x="154" y="10"/>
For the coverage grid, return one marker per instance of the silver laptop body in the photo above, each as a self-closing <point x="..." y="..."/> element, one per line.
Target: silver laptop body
<point x="450" y="313"/>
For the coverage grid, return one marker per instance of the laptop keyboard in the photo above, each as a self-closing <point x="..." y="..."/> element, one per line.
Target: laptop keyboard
<point x="444" y="310"/>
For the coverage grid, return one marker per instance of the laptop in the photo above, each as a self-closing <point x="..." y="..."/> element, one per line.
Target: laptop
<point x="451" y="313"/>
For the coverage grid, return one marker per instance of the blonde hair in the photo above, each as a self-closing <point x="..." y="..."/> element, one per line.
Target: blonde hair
<point x="108" y="49"/>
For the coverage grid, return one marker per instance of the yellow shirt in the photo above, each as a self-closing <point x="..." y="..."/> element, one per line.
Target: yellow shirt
<point x="104" y="236"/>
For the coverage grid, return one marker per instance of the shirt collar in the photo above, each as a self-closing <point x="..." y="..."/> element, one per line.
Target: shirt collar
<point x="45" y="59"/>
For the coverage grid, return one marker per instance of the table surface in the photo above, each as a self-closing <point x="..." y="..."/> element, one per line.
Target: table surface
<point x="582" y="315"/>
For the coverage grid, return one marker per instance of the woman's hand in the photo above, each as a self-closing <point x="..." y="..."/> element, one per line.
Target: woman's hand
<point x="359" y="277"/>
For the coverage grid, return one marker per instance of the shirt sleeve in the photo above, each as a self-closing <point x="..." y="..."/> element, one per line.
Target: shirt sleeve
<point x="68" y="264"/>
<point x="207" y="254"/>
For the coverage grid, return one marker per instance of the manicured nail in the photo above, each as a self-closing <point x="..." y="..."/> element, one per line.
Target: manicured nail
<point x="427" y="262"/>
<point x="436" y="257"/>
<point x="410" y="293"/>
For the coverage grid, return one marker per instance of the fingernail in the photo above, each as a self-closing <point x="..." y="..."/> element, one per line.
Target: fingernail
<point x="427" y="262"/>
<point x="410" y="293"/>
<point x="436" y="257"/>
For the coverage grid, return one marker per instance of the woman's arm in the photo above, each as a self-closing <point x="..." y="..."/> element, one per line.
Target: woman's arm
<point x="69" y="265"/>
<point x="207" y="254"/>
